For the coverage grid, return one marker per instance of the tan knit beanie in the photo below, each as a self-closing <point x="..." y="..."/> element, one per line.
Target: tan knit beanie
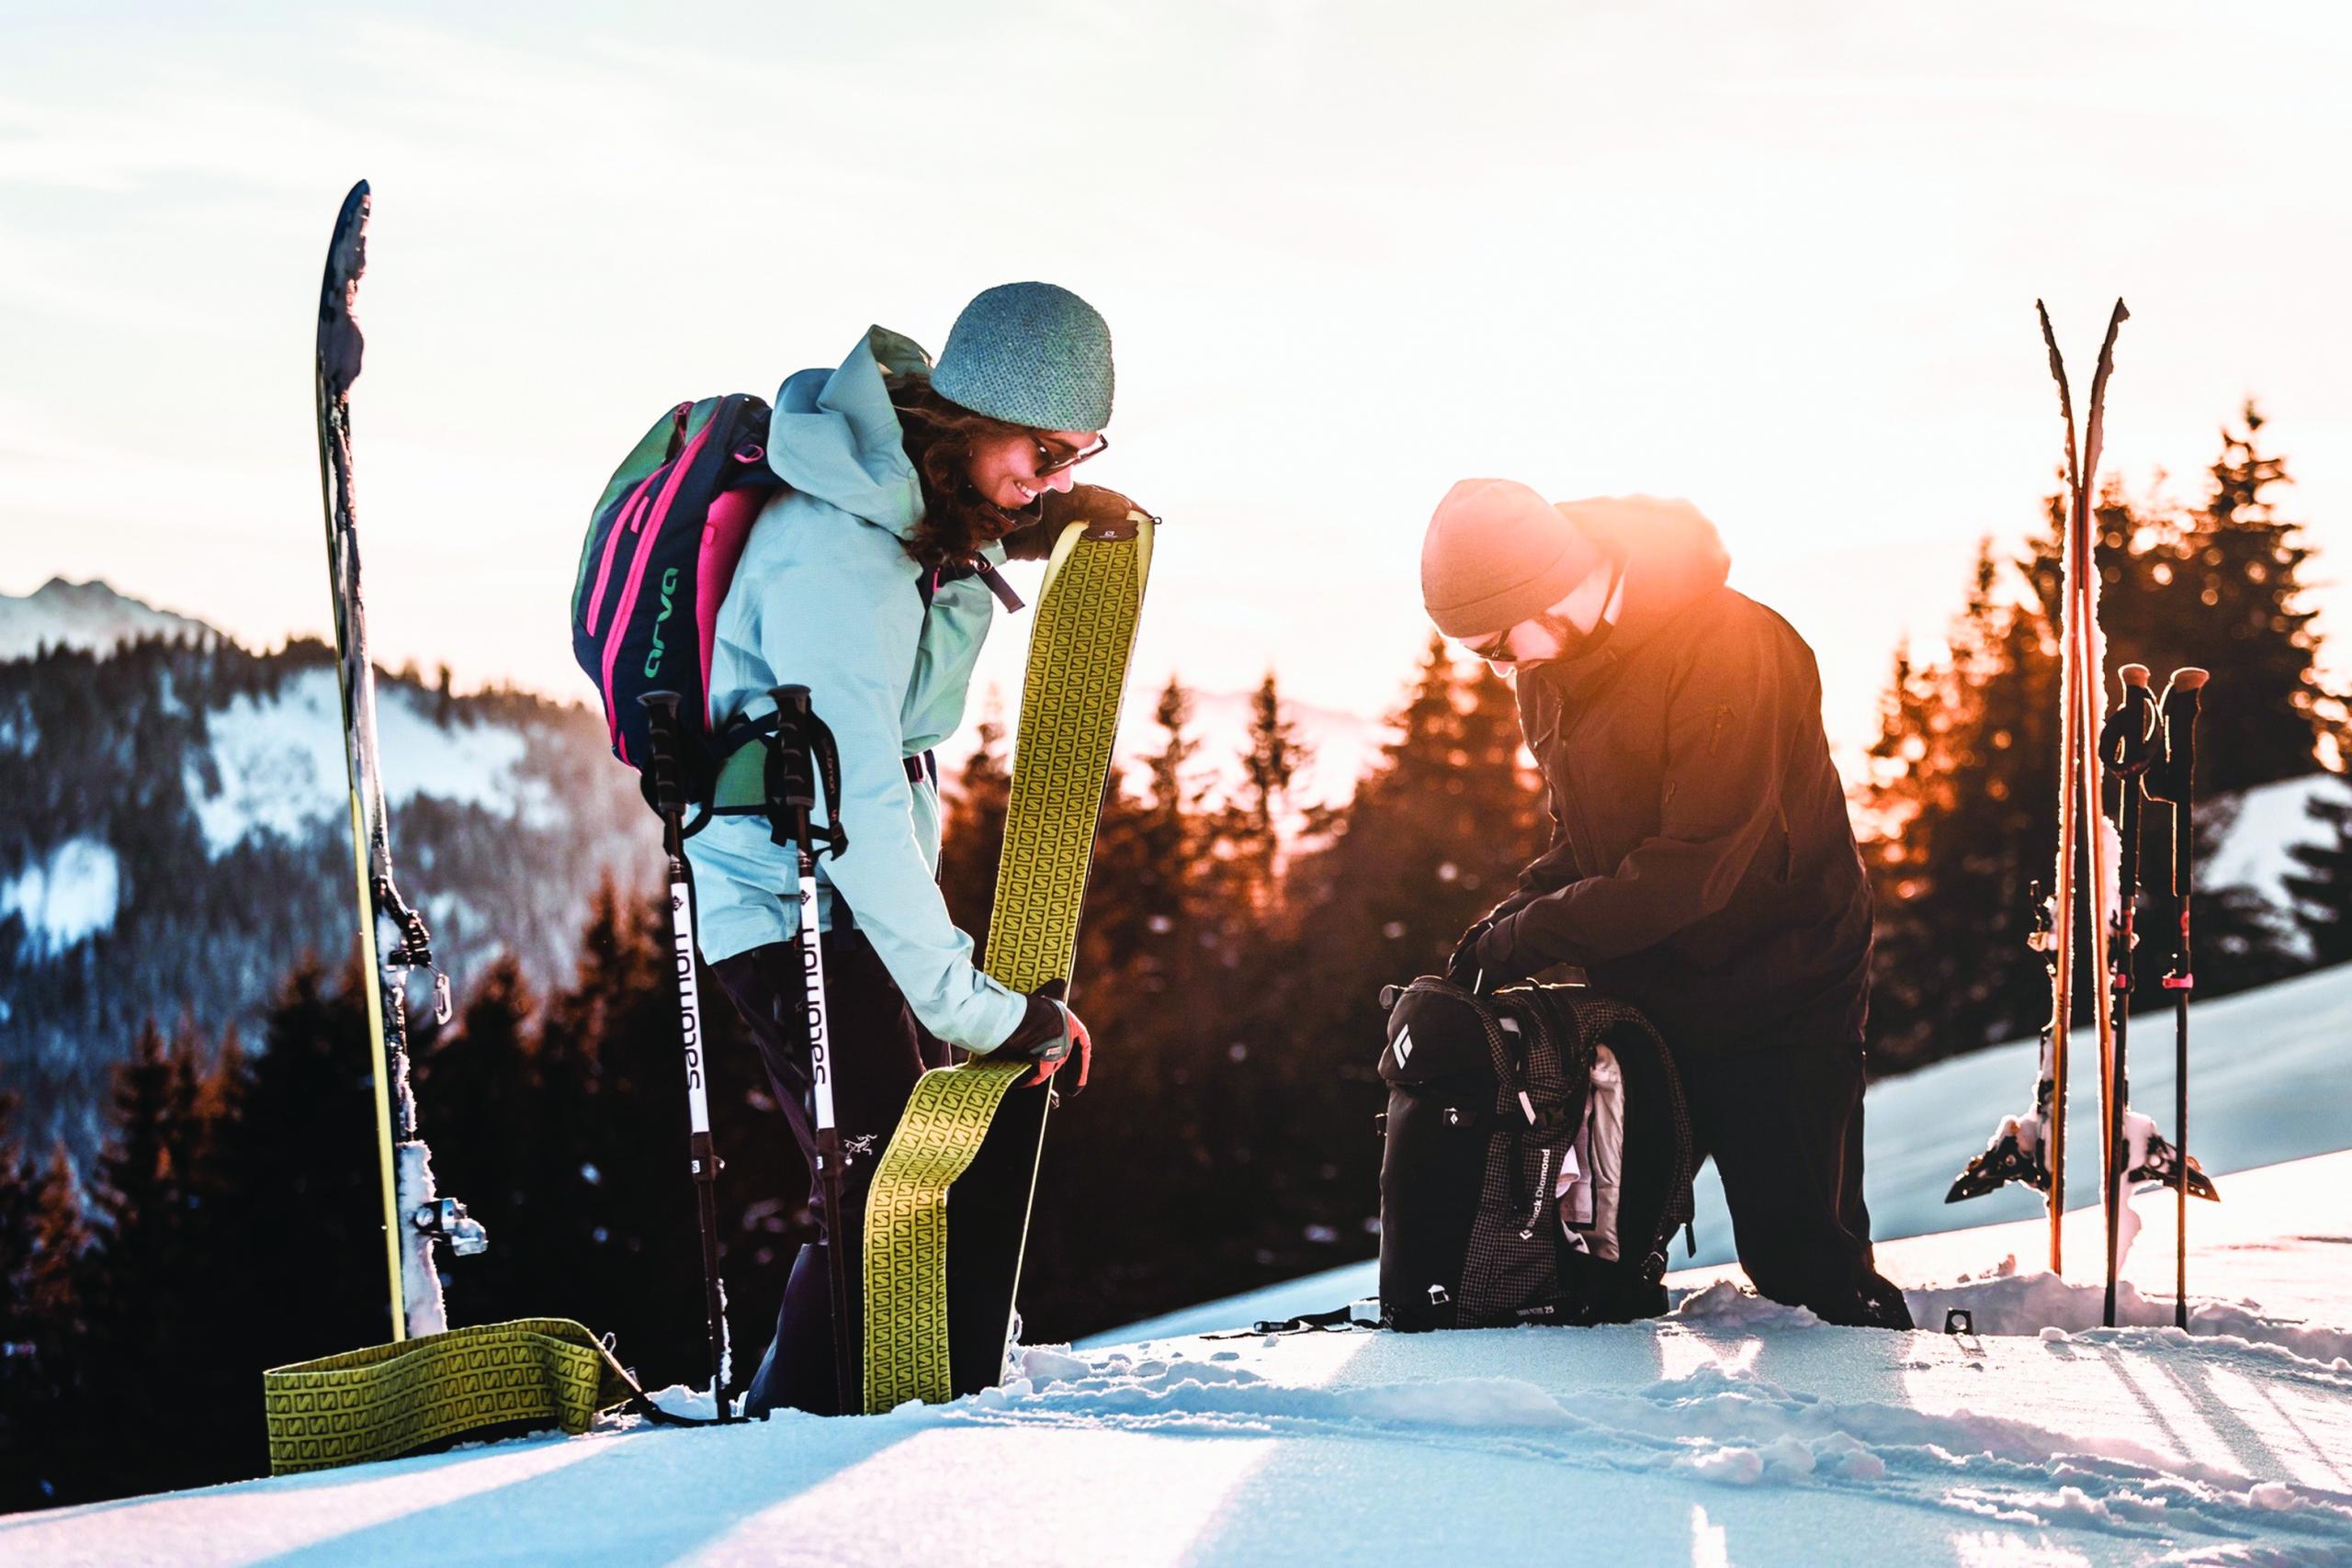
<point x="1498" y="554"/>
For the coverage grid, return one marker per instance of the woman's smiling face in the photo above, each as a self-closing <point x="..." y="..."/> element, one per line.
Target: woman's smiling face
<point x="1010" y="470"/>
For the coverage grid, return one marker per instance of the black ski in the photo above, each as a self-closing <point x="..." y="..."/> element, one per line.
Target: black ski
<point x="392" y="938"/>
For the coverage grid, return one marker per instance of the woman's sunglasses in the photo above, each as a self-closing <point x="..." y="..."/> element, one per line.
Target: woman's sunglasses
<point x="1050" y="463"/>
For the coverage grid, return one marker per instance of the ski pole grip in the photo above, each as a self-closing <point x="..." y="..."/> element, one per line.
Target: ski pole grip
<point x="668" y="791"/>
<point x="2126" y="741"/>
<point x="792" y="784"/>
<point x="2183" y="696"/>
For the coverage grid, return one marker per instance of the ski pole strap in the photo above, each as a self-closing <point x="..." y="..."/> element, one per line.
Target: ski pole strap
<point x="1338" y="1320"/>
<point x="741" y="789"/>
<point x="388" y="1400"/>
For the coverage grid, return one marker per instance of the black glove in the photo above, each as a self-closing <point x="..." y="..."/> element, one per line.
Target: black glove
<point x="1057" y="509"/>
<point x="1049" y="1034"/>
<point x="1462" y="968"/>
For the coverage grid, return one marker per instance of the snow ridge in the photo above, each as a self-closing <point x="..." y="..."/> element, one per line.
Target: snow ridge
<point x="1724" y="1424"/>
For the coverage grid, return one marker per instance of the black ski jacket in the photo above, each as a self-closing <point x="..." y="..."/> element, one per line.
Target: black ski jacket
<point x="1702" y="866"/>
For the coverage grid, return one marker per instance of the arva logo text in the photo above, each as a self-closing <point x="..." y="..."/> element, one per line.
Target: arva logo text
<point x="653" y="657"/>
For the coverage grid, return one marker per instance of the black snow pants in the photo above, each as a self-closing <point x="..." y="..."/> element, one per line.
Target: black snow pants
<point x="1784" y="1126"/>
<point x="878" y="1051"/>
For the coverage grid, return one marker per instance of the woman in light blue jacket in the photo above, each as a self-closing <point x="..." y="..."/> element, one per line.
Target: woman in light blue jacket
<point x="870" y="579"/>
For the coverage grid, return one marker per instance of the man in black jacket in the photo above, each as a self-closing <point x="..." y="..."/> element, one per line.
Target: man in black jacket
<point x="1701" y="865"/>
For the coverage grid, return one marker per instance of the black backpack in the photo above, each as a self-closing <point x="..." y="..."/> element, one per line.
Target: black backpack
<point x="1501" y="1199"/>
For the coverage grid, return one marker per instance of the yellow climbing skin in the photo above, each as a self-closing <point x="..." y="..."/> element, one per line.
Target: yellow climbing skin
<point x="1079" y="651"/>
<point x="390" y="1399"/>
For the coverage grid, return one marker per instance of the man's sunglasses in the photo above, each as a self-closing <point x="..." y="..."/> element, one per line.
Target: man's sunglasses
<point x="1496" y="649"/>
<point x="1049" y="463"/>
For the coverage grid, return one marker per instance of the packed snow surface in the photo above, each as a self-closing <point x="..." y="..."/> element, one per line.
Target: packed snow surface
<point x="1733" y="1431"/>
<point x="280" y="769"/>
<point x="70" y="893"/>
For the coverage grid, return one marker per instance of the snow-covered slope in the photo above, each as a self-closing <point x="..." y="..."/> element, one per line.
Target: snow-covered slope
<point x="1731" y="1432"/>
<point x="276" y="766"/>
<point x="2257" y="849"/>
<point x="89" y="615"/>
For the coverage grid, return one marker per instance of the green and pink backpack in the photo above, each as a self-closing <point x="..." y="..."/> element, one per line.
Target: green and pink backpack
<point x="660" y="551"/>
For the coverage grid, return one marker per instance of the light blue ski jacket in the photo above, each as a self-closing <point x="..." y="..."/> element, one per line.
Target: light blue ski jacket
<point x="826" y="596"/>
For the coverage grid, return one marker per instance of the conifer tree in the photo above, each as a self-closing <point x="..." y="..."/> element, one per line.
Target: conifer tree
<point x="972" y="834"/>
<point x="22" y="1410"/>
<point x="47" y="1454"/>
<point x="296" y="1255"/>
<point x="614" y="1226"/>
<point x="1172" y="857"/>
<point x="1959" y="818"/>
<point x="2323" y="889"/>
<point x="1434" y="835"/>
<point x="1269" y="765"/>
<point x="491" y="1139"/>
<point x="156" y="1297"/>
<point x="2220" y="587"/>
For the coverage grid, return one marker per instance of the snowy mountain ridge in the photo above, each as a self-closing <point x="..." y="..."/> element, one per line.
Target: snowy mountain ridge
<point x="92" y="616"/>
<point x="174" y="824"/>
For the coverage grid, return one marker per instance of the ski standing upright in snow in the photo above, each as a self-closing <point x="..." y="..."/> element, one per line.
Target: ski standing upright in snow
<point x="2135" y="747"/>
<point x="416" y="1215"/>
<point x="2031" y="1148"/>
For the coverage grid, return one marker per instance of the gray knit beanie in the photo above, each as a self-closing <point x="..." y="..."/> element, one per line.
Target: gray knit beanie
<point x="1029" y="354"/>
<point x="1497" y="554"/>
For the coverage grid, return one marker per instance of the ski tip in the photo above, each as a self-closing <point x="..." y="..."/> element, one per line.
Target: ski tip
<point x="2134" y="674"/>
<point x="2189" y="679"/>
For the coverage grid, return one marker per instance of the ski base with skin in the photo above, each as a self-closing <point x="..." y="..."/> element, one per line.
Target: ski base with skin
<point x="947" y="1216"/>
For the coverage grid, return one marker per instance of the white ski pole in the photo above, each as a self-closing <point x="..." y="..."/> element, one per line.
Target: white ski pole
<point x="804" y="749"/>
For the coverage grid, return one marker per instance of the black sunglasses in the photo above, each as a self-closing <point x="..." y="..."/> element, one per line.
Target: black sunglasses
<point x="1496" y="649"/>
<point x="1048" y="464"/>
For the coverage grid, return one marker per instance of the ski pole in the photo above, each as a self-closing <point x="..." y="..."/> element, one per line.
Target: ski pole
<point x="2126" y="750"/>
<point x="2174" y="781"/>
<point x="804" y="750"/>
<point x="669" y="800"/>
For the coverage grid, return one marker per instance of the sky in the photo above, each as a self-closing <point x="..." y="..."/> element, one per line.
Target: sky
<point x="1780" y="258"/>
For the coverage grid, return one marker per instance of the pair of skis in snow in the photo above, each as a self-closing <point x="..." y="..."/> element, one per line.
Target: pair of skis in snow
<point x="2148" y="747"/>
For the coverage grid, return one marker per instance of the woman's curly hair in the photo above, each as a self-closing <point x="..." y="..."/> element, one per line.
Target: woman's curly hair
<point x="956" y="519"/>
